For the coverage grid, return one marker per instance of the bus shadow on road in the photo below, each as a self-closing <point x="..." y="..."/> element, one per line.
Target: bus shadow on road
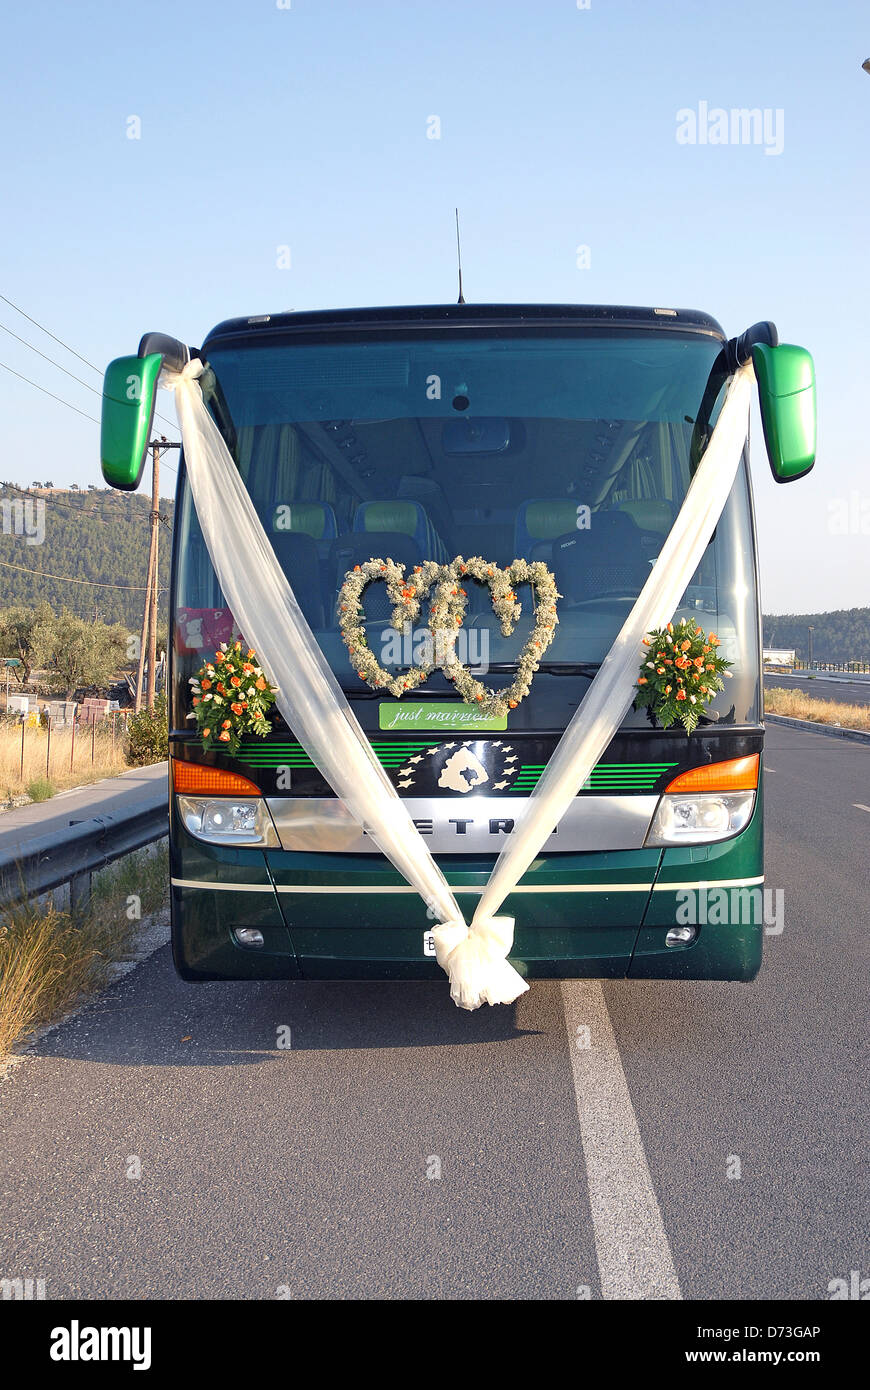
<point x="152" y="1018"/>
<point x="329" y="1014"/>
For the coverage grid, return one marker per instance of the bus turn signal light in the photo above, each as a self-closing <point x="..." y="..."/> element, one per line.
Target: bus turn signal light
<point x="194" y="779"/>
<point x="733" y="775"/>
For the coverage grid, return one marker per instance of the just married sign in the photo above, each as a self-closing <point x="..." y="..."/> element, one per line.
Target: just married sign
<point x="438" y="715"/>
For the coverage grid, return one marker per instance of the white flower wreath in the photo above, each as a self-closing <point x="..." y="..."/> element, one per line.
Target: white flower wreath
<point x="446" y="613"/>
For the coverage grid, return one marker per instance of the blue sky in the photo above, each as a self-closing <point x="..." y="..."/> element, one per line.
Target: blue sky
<point x="306" y="127"/>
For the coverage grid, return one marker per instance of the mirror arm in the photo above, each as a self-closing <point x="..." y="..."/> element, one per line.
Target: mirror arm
<point x="739" y="350"/>
<point x="175" y="355"/>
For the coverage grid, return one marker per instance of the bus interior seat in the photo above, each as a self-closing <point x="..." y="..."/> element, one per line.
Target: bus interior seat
<point x="653" y="514"/>
<point x="608" y="558"/>
<point x="430" y="493"/>
<point x="540" y="522"/>
<point x="408" y="518"/>
<point x="653" y="518"/>
<point x="314" y="519"/>
<point x="296" y="552"/>
<point x="399" y="529"/>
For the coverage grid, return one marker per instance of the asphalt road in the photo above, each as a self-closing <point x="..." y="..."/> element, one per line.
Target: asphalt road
<point x="821" y="687"/>
<point x="134" y="790"/>
<point x="302" y="1172"/>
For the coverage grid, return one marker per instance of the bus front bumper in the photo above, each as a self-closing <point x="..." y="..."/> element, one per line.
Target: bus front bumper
<point x="604" y="914"/>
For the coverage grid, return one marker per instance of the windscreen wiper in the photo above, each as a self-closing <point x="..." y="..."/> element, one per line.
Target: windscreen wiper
<point x="570" y="668"/>
<point x="554" y="668"/>
<point x="550" y="668"/>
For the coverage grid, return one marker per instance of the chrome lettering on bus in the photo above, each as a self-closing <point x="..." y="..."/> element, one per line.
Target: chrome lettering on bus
<point x="452" y="825"/>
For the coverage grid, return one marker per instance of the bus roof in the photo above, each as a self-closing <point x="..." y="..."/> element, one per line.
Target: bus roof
<point x="474" y="315"/>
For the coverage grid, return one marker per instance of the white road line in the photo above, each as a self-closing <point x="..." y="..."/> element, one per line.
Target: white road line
<point x="860" y="807"/>
<point x="634" y="1255"/>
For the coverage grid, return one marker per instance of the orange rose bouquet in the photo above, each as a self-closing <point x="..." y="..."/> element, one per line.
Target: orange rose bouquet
<point x="231" y="698"/>
<point x="680" y="673"/>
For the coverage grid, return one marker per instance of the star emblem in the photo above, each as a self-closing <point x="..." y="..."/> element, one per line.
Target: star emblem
<point x="461" y="767"/>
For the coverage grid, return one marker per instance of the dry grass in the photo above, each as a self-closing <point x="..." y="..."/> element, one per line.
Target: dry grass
<point x="42" y="765"/>
<point x="49" y="961"/>
<point x="796" y="705"/>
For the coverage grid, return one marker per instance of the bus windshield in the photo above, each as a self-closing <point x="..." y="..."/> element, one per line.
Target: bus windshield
<point x="574" y="449"/>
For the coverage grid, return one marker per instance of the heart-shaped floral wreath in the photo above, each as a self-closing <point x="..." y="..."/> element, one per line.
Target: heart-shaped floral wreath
<point x="446" y="613"/>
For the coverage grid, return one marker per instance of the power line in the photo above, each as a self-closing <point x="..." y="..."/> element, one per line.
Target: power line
<point x="45" y="392"/>
<point x="43" y="329"/>
<point x="93" y="418"/>
<point x="86" y="384"/>
<point x="60" y="368"/>
<point x="67" y="348"/>
<point x="65" y="579"/>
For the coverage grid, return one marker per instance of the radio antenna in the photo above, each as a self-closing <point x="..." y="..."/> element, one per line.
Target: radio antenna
<point x="461" y="299"/>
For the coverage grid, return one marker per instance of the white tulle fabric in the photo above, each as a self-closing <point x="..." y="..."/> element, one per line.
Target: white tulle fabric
<point x="612" y="691"/>
<point x="316" y="709"/>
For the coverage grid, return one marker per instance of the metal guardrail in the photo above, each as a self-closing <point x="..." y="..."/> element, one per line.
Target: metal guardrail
<point x="73" y="854"/>
<point x="855" y="667"/>
<point x="811" y="726"/>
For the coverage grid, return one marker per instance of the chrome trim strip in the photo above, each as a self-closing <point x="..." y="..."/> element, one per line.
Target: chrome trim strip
<point x="710" y="883"/>
<point x="465" y="825"/>
<point x="222" y="887"/>
<point x="460" y="888"/>
<point x="457" y="888"/>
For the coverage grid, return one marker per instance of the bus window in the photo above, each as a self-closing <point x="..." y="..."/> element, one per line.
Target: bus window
<point x="574" y="449"/>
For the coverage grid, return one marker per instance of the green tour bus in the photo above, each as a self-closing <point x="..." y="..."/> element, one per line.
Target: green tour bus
<point x="567" y="434"/>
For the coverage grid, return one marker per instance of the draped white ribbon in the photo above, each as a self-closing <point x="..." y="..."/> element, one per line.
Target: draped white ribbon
<point x="316" y="709"/>
<point x="613" y="688"/>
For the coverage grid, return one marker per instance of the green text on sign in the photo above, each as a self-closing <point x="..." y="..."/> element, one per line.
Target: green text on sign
<point x="446" y="716"/>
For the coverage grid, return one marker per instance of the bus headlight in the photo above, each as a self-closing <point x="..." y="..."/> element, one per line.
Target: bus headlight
<point x="226" y="820"/>
<point x="701" y="818"/>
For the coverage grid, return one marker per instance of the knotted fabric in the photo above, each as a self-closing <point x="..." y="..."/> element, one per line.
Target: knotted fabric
<point x="319" y="714"/>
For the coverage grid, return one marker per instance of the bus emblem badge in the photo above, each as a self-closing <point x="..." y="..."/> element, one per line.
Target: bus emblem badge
<point x="462" y="771"/>
<point x="461" y="767"/>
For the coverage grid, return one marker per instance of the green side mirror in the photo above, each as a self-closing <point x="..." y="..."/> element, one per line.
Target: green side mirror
<point x="129" y="391"/>
<point x="787" y="396"/>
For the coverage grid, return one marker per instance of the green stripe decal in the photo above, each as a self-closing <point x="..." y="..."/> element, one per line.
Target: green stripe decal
<point x="604" y="777"/>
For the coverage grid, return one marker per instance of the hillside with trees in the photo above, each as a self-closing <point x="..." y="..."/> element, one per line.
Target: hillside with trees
<point x="96" y="534"/>
<point x="843" y="635"/>
<point x="102" y="535"/>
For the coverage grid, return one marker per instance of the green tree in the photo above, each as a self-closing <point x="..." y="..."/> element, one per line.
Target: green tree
<point x="20" y="629"/>
<point x="75" y="653"/>
<point x="149" y="735"/>
<point x="100" y="537"/>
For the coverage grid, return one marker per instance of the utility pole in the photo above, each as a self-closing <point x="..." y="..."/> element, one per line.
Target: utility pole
<point x="148" y="642"/>
<point x="140" y="673"/>
<point x="810" y="631"/>
<point x="149" y="582"/>
<point x="152" y="592"/>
